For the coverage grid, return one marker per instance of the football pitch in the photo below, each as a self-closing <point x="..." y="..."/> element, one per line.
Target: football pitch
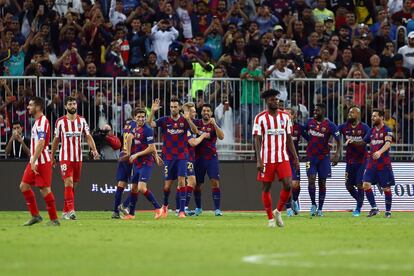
<point x="239" y="243"/>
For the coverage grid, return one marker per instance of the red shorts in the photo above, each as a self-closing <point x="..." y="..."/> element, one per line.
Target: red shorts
<point x="71" y="169"/>
<point x="282" y="170"/>
<point x="43" y="179"/>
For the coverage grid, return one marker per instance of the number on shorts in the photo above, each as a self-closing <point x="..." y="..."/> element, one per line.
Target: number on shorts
<point x="166" y="170"/>
<point x="63" y="167"/>
<point x="190" y="166"/>
<point x="307" y="165"/>
<point x="346" y="176"/>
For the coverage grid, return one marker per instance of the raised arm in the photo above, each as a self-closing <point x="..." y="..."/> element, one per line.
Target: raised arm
<point x="154" y="108"/>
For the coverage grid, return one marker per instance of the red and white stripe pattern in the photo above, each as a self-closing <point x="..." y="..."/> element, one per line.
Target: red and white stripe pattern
<point x="40" y="131"/>
<point x="274" y="130"/>
<point x="70" y="134"/>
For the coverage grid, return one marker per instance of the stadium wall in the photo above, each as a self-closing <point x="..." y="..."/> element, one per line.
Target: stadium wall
<point x="240" y="190"/>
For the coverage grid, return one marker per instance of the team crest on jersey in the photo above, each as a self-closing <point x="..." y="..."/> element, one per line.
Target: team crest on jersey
<point x="181" y="124"/>
<point x="296" y="132"/>
<point x="323" y="129"/>
<point x="208" y="129"/>
<point x="175" y="125"/>
<point x="353" y="132"/>
<point x="359" y="132"/>
<point x="381" y="135"/>
<point x="79" y="125"/>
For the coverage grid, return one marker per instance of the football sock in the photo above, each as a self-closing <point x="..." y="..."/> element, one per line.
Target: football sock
<point x="295" y="193"/>
<point x="197" y="198"/>
<point x="283" y="198"/>
<point x="177" y="198"/>
<point x="371" y="198"/>
<point x="51" y="206"/>
<point x="189" y="192"/>
<point x="360" y="200"/>
<point x="388" y="200"/>
<point x="118" y="198"/>
<point x="69" y="199"/>
<point x="150" y="197"/>
<point x="353" y="192"/>
<point x="182" y="198"/>
<point x="322" y="195"/>
<point x="267" y="203"/>
<point x="29" y="196"/>
<point x="133" y="203"/>
<point x="166" y="196"/>
<point x="312" y="193"/>
<point x="216" y="197"/>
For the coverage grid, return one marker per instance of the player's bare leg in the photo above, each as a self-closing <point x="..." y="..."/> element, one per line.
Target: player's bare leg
<point x="312" y="193"/>
<point x="69" y="200"/>
<point x="118" y="198"/>
<point x="322" y="195"/>
<point x="371" y="199"/>
<point x="181" y="185"/>
<point x="50" y="206"/>
<point x="31" y="203"/>
<point x="267" y="203"/>
<point x="142" y="188"/>
<point x="283" y="198"/>
<point x="215" y="190"/>
<point x="167" y="191"/>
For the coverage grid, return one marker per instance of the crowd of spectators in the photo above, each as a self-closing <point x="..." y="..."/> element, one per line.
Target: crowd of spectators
<point x="247" y="39"/>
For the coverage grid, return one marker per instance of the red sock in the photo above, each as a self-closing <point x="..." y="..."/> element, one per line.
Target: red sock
<point x="267" y="203"/>
<point x="51" y="206"/>
<point x="69" y="199"/>
<point x="31" y="202"/>
<point x="283" y="198"/>
<point x="189" y="189"/>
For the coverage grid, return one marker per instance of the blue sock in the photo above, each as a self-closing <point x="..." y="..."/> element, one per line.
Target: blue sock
<point x="388" y="200"/>
<point x="371" y="198"/>
<point x="360" y="200"/>
<point x="322" y="195"/>
<point x="150" y="197"/>
<point x="133" y="203"/>
<point x="177" y="198"/>
<point x="197" y="198"/>
<point x="188" y="193"/>
<point x="166" y="196"/>
<point x="183" y="197"/>
<point x="312" y="193"/>
<point x="353" y="192"/>
<point x="127" y="201"/>
<point x="118" y="198"/>
<point x="216" y="198"/>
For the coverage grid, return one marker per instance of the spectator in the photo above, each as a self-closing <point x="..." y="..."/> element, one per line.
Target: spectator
<point x="138" y="42"/>
<point x="65" y="66"/>
<point x="320" y="13"/>
<point x="236" y="15"/>
<point x="116" y="14"/>
<point x="407" y="52"/>
<point x="387" y="55"/>
<point x="344" y="38"/>
<point x="382" y="37"/>
<point x="397" y="70"/>
<point x="312" y="49"/>
<point x="265" y="20"/>
<point x="217" y="90"/>
<point x="214" y="37"/>
<point x="280" y="71"/>
<point x="357" y="90"/>
<point x="14" y="66"/>
<point x="120" y="112"/>
<point x="100" y="112"/>
<point x="251" y="76"/>
<point x="152" y="64"/>
<point x="183" y="12"/>
<point x="18" y="145"/>
<point x="176" y="64"/>
<point x="346" y="58"/>
<point x="390" y="122"/>
<point x="114" y="62"/>
<point x="375" y="71"/>
<point x="203" y="68"/>
<point x="361" y="52"/>
<point x="162" y="35"/>
<point x="225" y="118"/>
<point x="402" y="16"/>
<point x="107" y="143"/>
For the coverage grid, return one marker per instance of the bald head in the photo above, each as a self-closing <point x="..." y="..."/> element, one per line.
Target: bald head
<point x="354" y="115"/>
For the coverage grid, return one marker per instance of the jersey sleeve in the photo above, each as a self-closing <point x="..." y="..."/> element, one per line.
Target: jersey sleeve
<point x="257" y="129"/>
<point x="289" y="125"/>
<point x="335" y="131"/>
<point x="42" y="130"/>
<point x="389" y="135"/>
<point x="86" y="129"/>
<point x="149" y="135"/>
<point x="303" y="132"/>
<point x="159" y="122"/>
<point x="367" y="137"/>
<point x="57" y="128"/>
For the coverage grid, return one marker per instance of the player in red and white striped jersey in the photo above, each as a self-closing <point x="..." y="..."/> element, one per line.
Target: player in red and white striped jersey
<point x="272" y="135"/>
<point x="39" y="171"/>
<point x="69" y="130"/>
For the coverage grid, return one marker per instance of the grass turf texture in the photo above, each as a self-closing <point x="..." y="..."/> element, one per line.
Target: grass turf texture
<point x="236" y="244"/>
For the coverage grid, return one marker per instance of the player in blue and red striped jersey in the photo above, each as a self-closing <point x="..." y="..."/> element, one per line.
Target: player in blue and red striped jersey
<point x="207" y="159"/>
<point x="124" y="169"/>
<point x="355" y="133"/>
<point x="320" y="130"/>
<point x="379" y="169"/>
<point x="296" y="134"/>
<point x="174" y="149"/>
<point x="142" y="158"/>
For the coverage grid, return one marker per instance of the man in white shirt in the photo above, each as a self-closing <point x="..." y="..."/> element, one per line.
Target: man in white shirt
<point x="116" y="12"/>
<point x="407" y="52"/>
<point x="162" y="35"/>
<point x="280" y="71"/>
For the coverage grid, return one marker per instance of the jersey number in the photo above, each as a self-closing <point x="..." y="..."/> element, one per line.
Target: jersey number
<point x="63" y="167"/>
<point x="189" y="166"/>
<point x="166" y="171"/>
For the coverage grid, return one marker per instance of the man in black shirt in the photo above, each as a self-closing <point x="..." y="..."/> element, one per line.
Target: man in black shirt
<point x="18" y="145"/>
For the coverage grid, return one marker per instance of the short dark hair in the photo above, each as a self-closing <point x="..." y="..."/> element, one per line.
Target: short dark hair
<point x="379" y="111"/>
<point x="69" y="99"/>
<point x="208" y="105"/>
<point x="175" y="99"/>
<point x="38" y="102"/>
<point x="17" y="123"/>
<point x="321" y="105"/>
<point x="139" y="110"/>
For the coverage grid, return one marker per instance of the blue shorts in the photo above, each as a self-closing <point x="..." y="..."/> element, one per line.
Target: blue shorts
<point x="123" y="172"/>
<point x="384" y="178"/>
<point x="203" y="166"/>
<point x="175" y="168"/>
<point x="295" y="173"/>
<point x="321" y="167"/>
<point x="190" y="169"/>
<point x="354" y="174"/>
<point x="142" y="174"/>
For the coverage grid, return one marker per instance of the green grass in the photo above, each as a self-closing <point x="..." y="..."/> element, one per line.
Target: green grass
<point x="336" y="244"/>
